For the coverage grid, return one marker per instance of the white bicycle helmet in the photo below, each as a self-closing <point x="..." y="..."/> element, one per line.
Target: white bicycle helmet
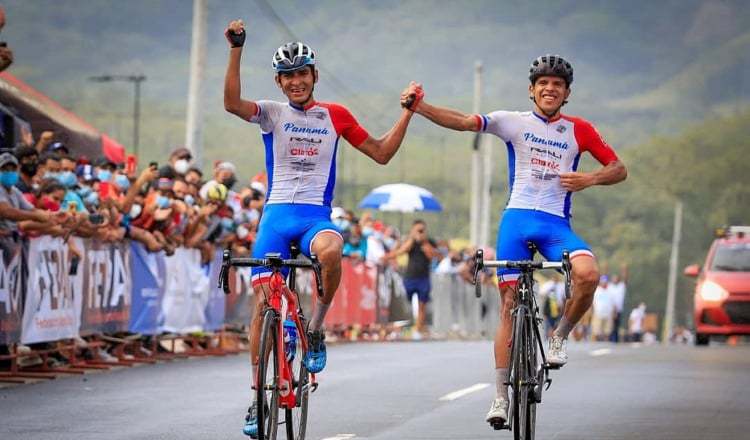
<point x="293" y="56"/>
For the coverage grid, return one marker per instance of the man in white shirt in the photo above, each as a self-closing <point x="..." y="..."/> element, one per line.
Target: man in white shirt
<point x="604" y="310"/>
<point x="617" y="289"/>
<point x="635" y="322"/>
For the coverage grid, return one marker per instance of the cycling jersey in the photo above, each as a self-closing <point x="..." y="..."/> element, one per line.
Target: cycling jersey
<point x="538" y="151"/>
<point x="301" y="146"/>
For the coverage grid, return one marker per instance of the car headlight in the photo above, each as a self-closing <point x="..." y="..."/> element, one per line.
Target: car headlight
<point x="710" y="291"/>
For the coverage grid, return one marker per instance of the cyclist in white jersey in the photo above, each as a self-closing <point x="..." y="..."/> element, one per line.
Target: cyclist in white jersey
<point x="544" y="147"/>
<point x="301" y="139"/>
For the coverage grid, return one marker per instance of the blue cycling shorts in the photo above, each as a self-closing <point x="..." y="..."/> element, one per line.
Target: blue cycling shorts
<point x="550" y="233"/>
<point x="284" y="223"/>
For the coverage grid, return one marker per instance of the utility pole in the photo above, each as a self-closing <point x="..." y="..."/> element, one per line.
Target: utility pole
<point x="484" y="213"/>
<point x="476" y="164"/>
<point x="666" y="331"/>
<point x="194" y="123"/>
<point x="136" y="80"/>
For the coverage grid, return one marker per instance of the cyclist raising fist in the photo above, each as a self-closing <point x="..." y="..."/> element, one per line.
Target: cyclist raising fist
<point x="301" y="138"/>
<point x="544" y="147"/>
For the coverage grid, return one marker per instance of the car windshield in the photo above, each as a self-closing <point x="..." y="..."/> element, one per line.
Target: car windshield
<point x="732" y="258"/>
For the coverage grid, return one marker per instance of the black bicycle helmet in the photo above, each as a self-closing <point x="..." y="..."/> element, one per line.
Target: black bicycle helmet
<point x="293" y="56"/>
<point x="552" y="65"/>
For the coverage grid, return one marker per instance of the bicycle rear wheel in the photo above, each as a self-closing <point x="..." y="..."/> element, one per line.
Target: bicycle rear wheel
<point x="267" y="394"/>
<point x="296" y="418"/>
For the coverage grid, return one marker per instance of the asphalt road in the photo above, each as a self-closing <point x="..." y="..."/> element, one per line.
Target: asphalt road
<point x="394" y="391"/>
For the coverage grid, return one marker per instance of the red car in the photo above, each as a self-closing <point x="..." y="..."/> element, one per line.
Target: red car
<point x="722" y="291"/>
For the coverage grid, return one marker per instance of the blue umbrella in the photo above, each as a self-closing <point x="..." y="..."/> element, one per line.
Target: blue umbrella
<point x="401" y="197"/>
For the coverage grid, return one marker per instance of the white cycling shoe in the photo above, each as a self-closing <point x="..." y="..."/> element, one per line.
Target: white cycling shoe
<point x="498" y="413"/>
<point x="557" y="355"/>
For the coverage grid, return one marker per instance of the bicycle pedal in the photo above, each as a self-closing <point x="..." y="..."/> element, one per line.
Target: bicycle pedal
<point x="549" y="366"/>
<point x="497" y="426"/>
<point x="313" y="387"/>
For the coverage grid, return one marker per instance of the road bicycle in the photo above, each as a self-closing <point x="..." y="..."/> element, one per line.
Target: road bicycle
<point x="283" y="381"/>
<point x="529" y="369"/>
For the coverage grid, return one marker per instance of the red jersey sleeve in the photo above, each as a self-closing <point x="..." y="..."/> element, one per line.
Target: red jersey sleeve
<point x="345" y="124"/>
<point x="590" y="140"/>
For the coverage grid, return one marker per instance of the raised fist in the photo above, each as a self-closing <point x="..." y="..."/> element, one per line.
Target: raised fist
<point x="235" y="33"/>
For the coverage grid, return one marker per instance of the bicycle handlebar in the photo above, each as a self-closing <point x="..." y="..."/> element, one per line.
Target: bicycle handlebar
<point x="272" y="260"/>
<point x="524" y="266"/>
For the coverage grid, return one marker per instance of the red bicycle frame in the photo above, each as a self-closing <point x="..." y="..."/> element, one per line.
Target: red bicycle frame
<point x="279" y="290"/>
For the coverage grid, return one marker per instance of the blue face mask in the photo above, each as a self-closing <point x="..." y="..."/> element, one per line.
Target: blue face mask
<point x="341" y="223"/>
<point x="122" y="182"/>
<point x="8" y="178"/>
<point x="162" y="202"/>
<point x="50" y="175"/>
<point x="104" y="175"/>
<point x="227" y="223"/>
<point x="67" y="179"/>
<point x="92" y="199"/>
<point x="84" y="191"/>
<point x="189" y="199"/>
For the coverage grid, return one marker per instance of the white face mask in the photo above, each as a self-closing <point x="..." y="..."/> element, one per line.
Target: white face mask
<point x="181" y="166"/>
<point x="242" y="232"/>
<point x="135" y="210"/>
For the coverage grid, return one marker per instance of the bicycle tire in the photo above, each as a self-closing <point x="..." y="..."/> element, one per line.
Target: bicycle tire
<point x="518" y="375"/>
<point x="296" y="418"/>
<point x="532" y="364"/>
<point x="267" y="394"/>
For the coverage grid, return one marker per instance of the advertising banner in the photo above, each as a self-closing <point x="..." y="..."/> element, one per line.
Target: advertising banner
<point x="355" y="301"/>
<point x="49" y="312"/>
<point x="11" y="290"/>
<point x="186" y="292"/>
<point x="105" y="285"/>
<point x="148" y="275"/>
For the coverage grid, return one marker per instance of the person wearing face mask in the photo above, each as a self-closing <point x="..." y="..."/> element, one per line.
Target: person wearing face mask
<point x="49" y="166"/>
<point x="180" y="161"/>
<point x="28" y="160"/>
<point x="224" y="173"/>
<point x="69" y="180"/>
<point x="13" y="206"/>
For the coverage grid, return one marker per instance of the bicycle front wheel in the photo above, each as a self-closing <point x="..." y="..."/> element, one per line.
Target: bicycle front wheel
<point x="520" y="376"/>
<point x="267" y="394"/>
<point x="296" y="418"/>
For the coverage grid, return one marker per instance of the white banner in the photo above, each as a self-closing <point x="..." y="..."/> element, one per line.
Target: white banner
<point x="50" y="310"/>
<point x="186" y="293"/>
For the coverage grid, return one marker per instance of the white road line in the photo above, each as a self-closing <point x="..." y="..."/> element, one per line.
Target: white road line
<point x="341" y="437"/>
<point x="460" y="393"/>
<point x="601" y="352"/>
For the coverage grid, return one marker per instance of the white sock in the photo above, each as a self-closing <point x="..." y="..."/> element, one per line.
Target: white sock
<point x="318" y="316"/>
<point x="501" y="377"/>
<point x="255" y="375"/>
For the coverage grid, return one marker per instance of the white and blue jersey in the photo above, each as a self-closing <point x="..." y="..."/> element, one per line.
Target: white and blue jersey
<point x="300" y="145"/>
<point x="539" y="207"/>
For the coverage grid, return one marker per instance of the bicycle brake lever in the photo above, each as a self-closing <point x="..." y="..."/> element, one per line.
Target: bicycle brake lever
<point x="478" y="266"/>
<point x="224" y="273"/>
<point x="567" y="272"/>
<point x="318" y="276"/>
